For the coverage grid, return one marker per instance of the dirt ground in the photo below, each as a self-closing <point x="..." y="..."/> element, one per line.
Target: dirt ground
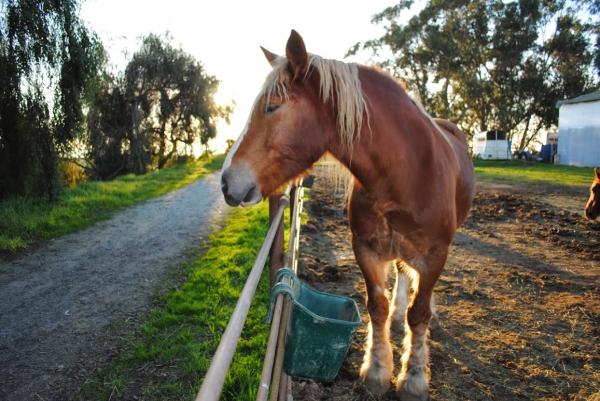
<point x="68" y="305"/>
<point x="519" y="302"/>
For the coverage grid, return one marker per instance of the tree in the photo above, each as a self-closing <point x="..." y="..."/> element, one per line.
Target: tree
<point x="490" y="64"/>
<point x="44" y="49"/>
<point x="165" y="104"/>
<point x="109" y="122"/>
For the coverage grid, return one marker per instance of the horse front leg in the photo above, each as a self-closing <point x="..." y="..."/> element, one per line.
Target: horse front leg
<point x="413" y="380"/>
<point x="378" y="364"/>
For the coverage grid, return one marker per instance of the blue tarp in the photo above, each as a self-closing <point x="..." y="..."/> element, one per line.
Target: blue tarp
<point x="546" y="153"/>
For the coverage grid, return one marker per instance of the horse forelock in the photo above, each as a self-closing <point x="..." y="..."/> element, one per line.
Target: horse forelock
<point x="337" y="80"/>
<point x="277" y="81"/>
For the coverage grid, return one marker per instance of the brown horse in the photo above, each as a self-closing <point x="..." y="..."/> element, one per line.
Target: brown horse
<point x="413" y="186"/>
<point x="592" y="207"/>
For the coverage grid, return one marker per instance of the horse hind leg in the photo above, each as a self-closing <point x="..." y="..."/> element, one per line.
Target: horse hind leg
<point x="412" y="383"/>
<point x="400" y="297"/>
<point x="434" y="322"/>
<point x="378" y="364"/>
<point x="403" y="289"/>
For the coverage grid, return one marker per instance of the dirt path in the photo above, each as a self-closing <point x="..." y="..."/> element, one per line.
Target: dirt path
<point x="519" y="302"/>
<point x="62" y="304"/>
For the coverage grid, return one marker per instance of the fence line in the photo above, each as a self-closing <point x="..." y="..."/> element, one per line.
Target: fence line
<point x="272" y="378"/>
<point x="273" y="363"/>
<point x="280" y="381"/>
<point x="215" y="377"/>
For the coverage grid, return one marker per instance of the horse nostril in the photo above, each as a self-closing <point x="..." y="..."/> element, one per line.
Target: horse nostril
<point x="224" y="185"/>
<point x="251" y="194"/>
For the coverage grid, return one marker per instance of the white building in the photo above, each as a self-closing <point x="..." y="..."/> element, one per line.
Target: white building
<point x="579" y="130"/>
<point x="491" y="145"/>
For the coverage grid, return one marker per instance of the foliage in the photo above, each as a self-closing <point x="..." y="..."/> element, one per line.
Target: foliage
<point x="72" y="173"/>
<point x="161" y="105"/>
<point x="180" y="337"/>
<point x="44" y="49"/>
<point x="491" y="64"/>
<point x="518" y="171"/>
<point x="109" y="130"/>
<point x="25" y="221"/>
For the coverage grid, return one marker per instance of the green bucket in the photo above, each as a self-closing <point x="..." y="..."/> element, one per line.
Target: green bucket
<point x="320" y="328"/>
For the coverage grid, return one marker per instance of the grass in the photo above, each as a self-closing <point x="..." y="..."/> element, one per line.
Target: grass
<point x="172" y="352"/>
<point x="518" y="171"/>
<point x="26" y="221"/>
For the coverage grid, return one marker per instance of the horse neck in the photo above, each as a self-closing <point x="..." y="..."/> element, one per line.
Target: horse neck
<point x="396" y="145"/>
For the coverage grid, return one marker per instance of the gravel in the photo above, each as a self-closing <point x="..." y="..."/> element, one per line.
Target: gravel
<point x="64" y="304"/>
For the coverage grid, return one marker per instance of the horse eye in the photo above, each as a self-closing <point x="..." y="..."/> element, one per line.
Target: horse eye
<point x="271" y="108"/>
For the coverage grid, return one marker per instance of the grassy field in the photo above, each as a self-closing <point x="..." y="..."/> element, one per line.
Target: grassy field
<point x="491" y="170"/>
<point x="26" y="221"/>
<point x="169" y="358"/>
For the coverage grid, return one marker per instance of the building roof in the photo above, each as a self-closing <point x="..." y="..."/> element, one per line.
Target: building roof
<point x="588" y="97"/>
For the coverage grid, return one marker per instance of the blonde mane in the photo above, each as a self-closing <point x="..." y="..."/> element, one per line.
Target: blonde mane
<point x="341" y="79"/>
<point x="337" y="79"/>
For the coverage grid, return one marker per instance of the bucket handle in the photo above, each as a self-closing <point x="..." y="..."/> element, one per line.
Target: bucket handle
<point x="285" y="272"/>
<point x="281" y="287"/>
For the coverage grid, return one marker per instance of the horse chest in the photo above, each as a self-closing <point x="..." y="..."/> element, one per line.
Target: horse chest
<point x="394" y="234"/>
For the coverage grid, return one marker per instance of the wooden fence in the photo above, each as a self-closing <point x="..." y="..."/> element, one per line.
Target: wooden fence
<point x="274" y="383"/>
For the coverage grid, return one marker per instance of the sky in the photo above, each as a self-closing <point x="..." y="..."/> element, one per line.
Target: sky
<point x="225" y="36"/>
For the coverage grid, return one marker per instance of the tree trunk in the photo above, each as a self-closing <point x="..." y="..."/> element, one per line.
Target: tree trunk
<point x="524" y="141"/>
<point x="537" y="129"/>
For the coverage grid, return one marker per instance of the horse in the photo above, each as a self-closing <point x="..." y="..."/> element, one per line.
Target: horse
<point x="413" y="184"/>
<point x="592" y="207"/>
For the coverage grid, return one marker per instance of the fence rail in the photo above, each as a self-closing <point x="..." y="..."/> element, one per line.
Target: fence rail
<point x="274" y="382"/>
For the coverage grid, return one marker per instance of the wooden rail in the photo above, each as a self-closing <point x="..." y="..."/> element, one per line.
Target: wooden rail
<point x="272" y="372"/>
<point x="272" y="377"/>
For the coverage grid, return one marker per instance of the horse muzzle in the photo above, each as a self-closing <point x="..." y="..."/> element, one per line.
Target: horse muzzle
<point x="239" y="186"/>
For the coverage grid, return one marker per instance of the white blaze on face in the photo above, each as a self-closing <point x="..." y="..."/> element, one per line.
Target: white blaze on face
<point x="238" y="181"/>
<point x="237" y="143"/>
<point x="233" y="149"/>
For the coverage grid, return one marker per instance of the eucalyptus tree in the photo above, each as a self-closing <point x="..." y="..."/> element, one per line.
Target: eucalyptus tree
<point x="493" y="64"/>
<point x="175" y="95"/>
<point x="158" y="108"/>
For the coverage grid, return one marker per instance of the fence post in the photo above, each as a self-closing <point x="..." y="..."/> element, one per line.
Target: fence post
<point x="292" y="203"/>
<point x="276" y="253"/>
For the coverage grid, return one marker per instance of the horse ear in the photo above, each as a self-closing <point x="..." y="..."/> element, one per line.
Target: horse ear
<point x="271" y="57"/>
<point x="295" y="52"/>
<point x="597" y="172"/>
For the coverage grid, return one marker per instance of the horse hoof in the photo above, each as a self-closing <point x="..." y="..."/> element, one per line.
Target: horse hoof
<point x="376" y="380"/>
<point x="412" y="386"/>
<point x="376" y="387"/>
<point x="404" y="395"/>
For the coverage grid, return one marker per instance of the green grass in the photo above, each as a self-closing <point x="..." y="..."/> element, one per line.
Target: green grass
<point x="518" y="171"/>
<point x="26" y="221"/>
<point x="170" y="356"/>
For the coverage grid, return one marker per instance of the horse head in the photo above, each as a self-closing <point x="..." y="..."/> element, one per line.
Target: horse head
<point x="287" y="130"/>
